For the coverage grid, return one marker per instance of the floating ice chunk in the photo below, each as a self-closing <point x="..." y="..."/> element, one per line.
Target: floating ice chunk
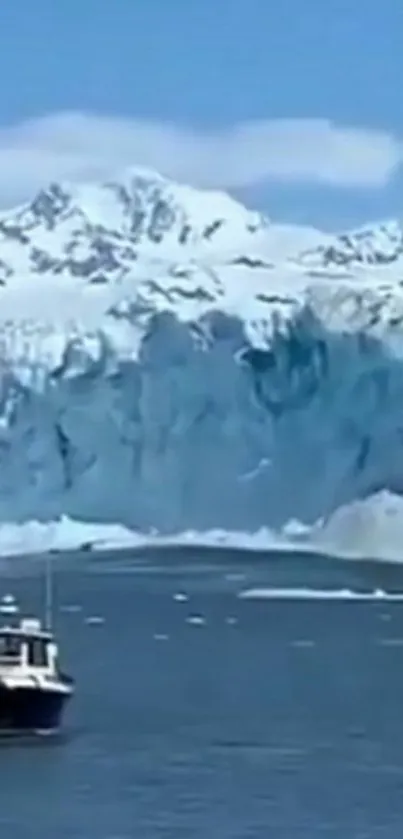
<point x="318" y="594"/>
<point x="390" y="642"/>
<point x="94" y="620"/>
<point x="8" y="605"/>
<point x="196" y="620"/>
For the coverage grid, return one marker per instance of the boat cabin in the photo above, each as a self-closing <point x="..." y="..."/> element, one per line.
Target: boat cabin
<point x="27" y="647"/>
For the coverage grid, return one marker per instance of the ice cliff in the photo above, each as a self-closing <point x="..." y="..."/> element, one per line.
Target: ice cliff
<point x="170" y="359"/>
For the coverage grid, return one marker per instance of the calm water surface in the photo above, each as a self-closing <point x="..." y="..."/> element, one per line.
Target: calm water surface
<point x="268" y="719"/>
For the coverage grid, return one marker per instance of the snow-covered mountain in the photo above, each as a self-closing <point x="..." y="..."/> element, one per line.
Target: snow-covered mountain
<point x="367" y="247"/>
<point x="95" y="232"/>
<point x="170" y="359"/>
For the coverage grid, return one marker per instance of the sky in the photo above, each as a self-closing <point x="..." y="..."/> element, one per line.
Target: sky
<point x="293" y="105"/>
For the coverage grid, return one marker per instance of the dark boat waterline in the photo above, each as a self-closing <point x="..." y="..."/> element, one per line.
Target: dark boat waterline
<point x="31" y="710"/>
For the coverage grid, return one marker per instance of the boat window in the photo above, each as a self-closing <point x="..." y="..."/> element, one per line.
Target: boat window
<point x="10" y="649"/>
<point x="37" y="652"/>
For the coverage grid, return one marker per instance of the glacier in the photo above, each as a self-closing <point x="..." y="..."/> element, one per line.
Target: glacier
<point x="174" y="362"/>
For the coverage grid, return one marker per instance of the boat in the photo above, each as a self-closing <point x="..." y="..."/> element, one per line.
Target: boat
<point x="34" y="690"/>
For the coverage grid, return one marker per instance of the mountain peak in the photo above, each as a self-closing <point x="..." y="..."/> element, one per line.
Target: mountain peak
<point x="97" y="231"/>
<point x="369" y="246"/>
<point x="66" y="227"/>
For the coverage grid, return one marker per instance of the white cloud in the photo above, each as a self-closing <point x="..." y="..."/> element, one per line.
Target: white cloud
<point x="74" y="145"/>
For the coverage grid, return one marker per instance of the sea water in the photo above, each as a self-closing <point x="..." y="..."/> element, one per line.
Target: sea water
<point x="203" y="713"/>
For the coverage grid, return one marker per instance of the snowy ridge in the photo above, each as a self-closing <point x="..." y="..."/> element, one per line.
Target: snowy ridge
<point x="95" y="232"/>
<point x="172" y="360"/>
<point x="376" y="246"/>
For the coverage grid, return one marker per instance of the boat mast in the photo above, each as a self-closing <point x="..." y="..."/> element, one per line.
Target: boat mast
<point x="48" y="593"/>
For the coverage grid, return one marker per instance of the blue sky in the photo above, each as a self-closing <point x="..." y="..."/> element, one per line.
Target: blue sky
<point x="218" y="70"/>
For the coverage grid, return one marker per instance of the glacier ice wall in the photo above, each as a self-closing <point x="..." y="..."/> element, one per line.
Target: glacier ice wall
<point x="170" y="359"/>
<point x="201" y="428"/>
